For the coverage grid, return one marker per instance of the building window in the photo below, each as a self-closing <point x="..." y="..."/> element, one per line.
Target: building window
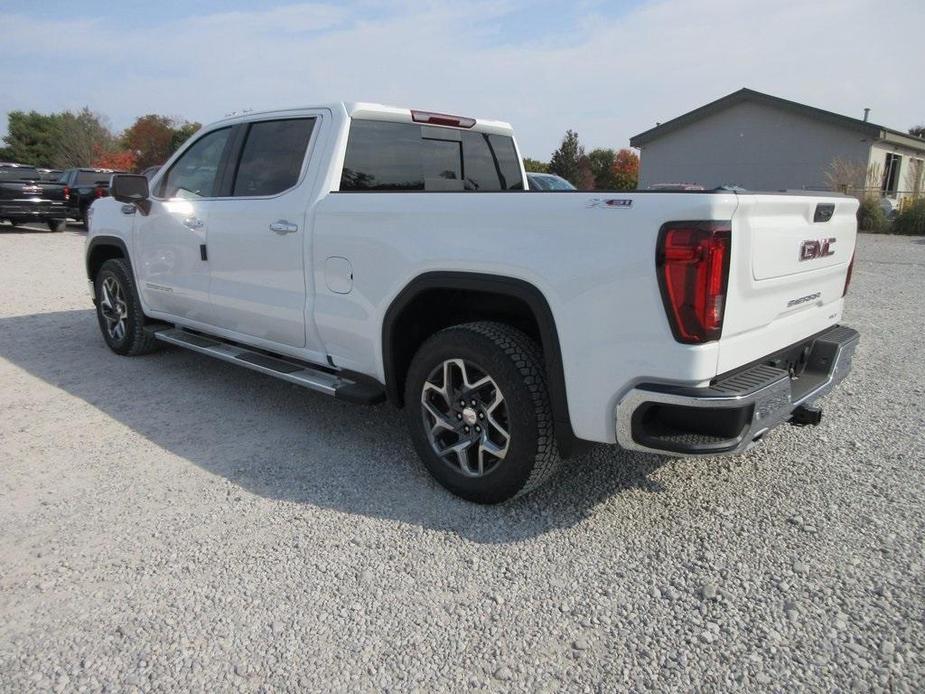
<point x="891" y="173"/>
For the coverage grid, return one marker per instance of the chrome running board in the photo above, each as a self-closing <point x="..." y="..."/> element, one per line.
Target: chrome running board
<point x="322" y="380"/>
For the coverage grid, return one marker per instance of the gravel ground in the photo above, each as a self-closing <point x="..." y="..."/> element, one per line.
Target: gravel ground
<point x="172" y="522"/>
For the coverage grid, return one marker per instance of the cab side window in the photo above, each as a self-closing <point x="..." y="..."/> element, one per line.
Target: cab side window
<point x="402" y="157"/>
<point x="195" y="174"/>
<point x="271" y="160"/>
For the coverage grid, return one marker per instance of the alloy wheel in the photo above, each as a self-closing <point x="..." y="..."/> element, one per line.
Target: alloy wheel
<point x="113" y="307"/>
<point x="465" y="417"/>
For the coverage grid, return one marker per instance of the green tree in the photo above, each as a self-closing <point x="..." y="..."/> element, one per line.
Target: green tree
<point x="182" y="133"/>
<point x="601" y="161"/>
<point x="535" y="165"/>
<point x="31" y="138"/>
<point x="566" y="161"/>
<point x="82" y="138"/>
<point x="57" y="140"/>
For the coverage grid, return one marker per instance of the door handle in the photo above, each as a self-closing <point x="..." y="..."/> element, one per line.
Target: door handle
<point x="283" y="227"/>
<point x="193" y="223"/>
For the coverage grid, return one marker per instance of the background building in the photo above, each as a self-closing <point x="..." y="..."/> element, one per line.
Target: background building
<point x="762" y="142"/>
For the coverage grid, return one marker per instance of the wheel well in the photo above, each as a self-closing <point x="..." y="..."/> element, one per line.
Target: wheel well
<point x="99" y="254"/>
<point x="440" y="299"/>
<point x="434" y="309"/>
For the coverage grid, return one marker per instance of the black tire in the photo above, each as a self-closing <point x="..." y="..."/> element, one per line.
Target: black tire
<point x="132" y="340"/>
<point x="514" y="363"/>
<point x="57" y="225"/>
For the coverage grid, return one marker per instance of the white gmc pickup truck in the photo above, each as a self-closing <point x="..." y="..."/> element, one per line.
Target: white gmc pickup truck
<point x="370" y="252"/>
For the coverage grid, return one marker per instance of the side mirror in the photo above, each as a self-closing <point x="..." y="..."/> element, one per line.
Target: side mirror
<point x="131" y="189"/>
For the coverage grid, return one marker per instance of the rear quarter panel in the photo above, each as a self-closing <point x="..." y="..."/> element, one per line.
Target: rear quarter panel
<point x="594" y="263"/>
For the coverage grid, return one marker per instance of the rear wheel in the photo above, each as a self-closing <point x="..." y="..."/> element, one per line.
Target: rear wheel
<point x="57" y="225"/>
<point x="479" y="412"/>
<point x="119" y="311"/>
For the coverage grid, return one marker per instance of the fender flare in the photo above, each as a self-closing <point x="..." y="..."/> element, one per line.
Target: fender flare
<point x="494" y="284"/>
<point x="98" y="241"/>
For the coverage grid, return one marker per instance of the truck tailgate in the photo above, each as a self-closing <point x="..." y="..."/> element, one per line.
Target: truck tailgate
<point x="790" y="258"/>
<point x="31" y="191"/>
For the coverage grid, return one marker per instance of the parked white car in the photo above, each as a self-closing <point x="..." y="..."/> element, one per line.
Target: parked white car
<point x="547" y="182"/>
<point x="371" y="252"/>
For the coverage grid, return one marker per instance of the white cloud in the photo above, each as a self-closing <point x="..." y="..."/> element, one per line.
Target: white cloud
<point x="607" y="77"/>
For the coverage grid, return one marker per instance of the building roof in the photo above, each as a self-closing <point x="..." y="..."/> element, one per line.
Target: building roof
<point x="743" y="95"/>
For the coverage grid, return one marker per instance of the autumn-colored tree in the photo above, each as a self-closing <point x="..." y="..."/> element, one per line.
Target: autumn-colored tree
<point x="153" y="138"/>
<point x="149" y="138"/>
<point x="117" y="160"/>
<point x="626" y="170"/>
<point x="585" y="174"/>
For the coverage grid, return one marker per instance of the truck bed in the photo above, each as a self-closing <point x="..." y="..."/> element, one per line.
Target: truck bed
<point x="591" y="255"/>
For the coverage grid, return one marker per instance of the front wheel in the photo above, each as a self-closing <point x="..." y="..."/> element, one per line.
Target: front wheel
<point x="118" y="310"/>
<point x="479" y="412"/>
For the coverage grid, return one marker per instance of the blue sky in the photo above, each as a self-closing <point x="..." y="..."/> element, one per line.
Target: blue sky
<point x="522" y="20"/>
<point x="606" y="69"/>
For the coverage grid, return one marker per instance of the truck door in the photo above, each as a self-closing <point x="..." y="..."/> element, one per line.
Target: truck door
<point x="257" y="233"/>
<point x="170" y="240"/>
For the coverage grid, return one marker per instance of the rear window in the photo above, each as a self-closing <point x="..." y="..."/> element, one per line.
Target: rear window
<point x="90" y="178"/>
<point x="272" y="157"/>
<point x="18" y="173"/>
<point x="408" y="157"/>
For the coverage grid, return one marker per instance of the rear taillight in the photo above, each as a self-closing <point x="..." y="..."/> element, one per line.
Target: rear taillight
<point x="100" y="192"/>
<point x="692" y="262"/>
<point x="67" y="193"/>
<point x="848" y="278"/>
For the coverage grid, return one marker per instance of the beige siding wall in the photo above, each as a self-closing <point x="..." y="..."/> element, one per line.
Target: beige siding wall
<point x="909" y="181"/>
<point x="752" y="145"/>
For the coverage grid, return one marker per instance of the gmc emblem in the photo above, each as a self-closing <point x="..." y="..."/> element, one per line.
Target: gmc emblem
<point x="812" y="249"/>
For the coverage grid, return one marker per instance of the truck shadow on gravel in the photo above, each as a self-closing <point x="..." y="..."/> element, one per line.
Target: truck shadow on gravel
<point x="282" y="442"/>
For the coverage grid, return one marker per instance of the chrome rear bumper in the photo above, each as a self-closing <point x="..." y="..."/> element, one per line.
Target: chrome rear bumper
<point x="732" y="414"/>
